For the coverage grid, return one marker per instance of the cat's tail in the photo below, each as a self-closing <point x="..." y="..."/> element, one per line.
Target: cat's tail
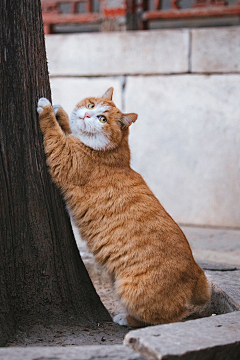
<point x="203" y="291"/>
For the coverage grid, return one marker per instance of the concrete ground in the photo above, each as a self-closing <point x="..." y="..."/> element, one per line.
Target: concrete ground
<point x="214" y="245"/>
<point x="211" y="337"/>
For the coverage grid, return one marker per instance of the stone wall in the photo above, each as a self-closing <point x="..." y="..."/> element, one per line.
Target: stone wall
<point x="185" y="86"/>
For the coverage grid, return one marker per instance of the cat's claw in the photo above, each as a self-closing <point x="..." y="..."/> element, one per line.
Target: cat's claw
<point x="121" y="319"/>
<point x="55" y="108"/>
<point x="41" y="104"/>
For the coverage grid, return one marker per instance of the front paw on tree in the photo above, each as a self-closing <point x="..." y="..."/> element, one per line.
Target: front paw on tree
<point x="42" y="103"/>
<point x="56" y="108"/>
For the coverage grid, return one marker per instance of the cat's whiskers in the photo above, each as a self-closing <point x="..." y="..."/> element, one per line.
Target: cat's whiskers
<point x="89" y="129"/>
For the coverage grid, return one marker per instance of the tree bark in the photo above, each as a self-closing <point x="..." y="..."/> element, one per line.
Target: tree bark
<point x="42" y="278"/>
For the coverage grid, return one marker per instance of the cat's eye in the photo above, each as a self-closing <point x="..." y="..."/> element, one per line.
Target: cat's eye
<point x="91" y="106"/>
<point x="102" y="118"/>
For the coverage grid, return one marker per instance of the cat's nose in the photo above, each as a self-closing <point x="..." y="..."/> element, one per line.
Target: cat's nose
<point x="87" y="115"/>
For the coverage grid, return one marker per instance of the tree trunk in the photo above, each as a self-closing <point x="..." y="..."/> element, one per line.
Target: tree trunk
<point x="42" y="277"/>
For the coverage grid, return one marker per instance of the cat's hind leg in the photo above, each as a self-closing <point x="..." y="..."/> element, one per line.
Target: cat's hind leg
<point x="128" y="320"/>
<point x="121" y="319"/>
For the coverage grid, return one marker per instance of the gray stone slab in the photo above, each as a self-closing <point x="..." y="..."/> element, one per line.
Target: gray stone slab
<point x="216" y="267"/>
<point x="227" y="240"/>
<point x="214" y="245"/>
<point x="231" y="258"/>
<point x="210" y="338"/>
<point x="216" y="50"/>
<point x="69" y="91"/>
<point x="185" y="144"/>
<point x="115" y="352"/>
<point x="229" y="282"/>
<point x="118" y="53"/>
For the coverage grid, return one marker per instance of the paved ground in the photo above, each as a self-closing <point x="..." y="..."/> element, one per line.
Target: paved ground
<point x="214" y="245"/>
<point x="211" y="337"/>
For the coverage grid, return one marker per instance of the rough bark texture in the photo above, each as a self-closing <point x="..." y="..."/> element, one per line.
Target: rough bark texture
<point x="42" y="277"/>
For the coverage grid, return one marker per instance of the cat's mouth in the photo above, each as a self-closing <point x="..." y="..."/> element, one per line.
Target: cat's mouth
<point x="82" y="122"/>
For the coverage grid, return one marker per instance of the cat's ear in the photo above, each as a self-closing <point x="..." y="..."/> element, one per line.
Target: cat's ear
<point x="128" y="119"/>
<point x="108" y="94"/>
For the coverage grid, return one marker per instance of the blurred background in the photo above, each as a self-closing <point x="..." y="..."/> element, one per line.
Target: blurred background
<point x="176" y="64"/>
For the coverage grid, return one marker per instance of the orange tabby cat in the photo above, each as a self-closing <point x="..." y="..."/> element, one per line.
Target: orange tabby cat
<point x="124" y="225"/>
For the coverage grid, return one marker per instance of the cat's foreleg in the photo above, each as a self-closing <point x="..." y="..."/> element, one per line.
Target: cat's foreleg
<point x="62" y="118"/>
<point x="56" y="144"/>
<point x="47" y="117"/>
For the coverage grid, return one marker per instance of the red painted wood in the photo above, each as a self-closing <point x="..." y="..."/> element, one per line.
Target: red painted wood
<point x="199" y="12"/>
<point x="70" y="18"/>
<point x="115" y="12"/>
<point x="63" y="1"/>
<point x="200" y="9"/>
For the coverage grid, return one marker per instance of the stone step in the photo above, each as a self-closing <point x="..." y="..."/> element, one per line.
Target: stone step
<point x="93" y="352"/>
<point x="216" y="337"/>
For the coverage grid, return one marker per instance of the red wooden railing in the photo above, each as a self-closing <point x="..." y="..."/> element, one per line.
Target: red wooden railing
<point x="52" y="13"/>
<point x="135" y="11"/>
<point x="200" y="9"/>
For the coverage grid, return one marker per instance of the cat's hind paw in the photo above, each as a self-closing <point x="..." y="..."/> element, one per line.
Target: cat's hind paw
<point x="121" y="319"/>
<point x="41" y="104"/>
<point x="56" y="108"/>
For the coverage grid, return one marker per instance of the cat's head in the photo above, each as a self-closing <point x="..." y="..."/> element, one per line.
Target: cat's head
<point x="98" y="123"/>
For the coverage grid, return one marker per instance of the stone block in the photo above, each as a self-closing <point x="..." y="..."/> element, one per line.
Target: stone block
<point x="228" y="257"/>
<point x="185" y="144"/>
<point x="210" y="338"/>
<point x="215" y="245"/>
<point x="229" y="282"/>
<point x="115" y="352"/>
<point x="216" y="50"/>
<point x="118" y="53"/>
<point x="227" y="240"/>
<point x="216" y="266"/>
<point x="69" y="91"/>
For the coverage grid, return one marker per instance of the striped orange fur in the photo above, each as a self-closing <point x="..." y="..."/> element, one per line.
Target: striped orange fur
<point x="122" y="222"/>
